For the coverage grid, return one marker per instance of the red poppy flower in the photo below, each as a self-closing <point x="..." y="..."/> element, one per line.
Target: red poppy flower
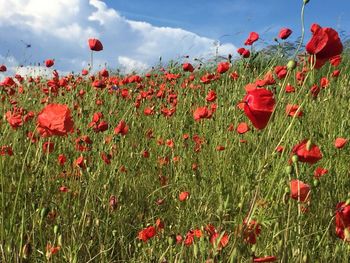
<point x="299" y="190"/>
<point x="324" y="82"/>
<point x="84" y="72"/>
<point x="265" y="259"/>
<point x="291" y="110"/>
<point x="220" y="148"/>
<point x="249" y="87"/>
<point x="315" y="90"/>
<point x="211" y="96"/>
<point x="202" y="113"/>
<point x="251" y="230"/>
<point x="48" y="147"/>
<point x="242" y="128"/>
<point x="55" y="119"/>
<point x="49" y="63"/>
<point x="253" y="36"/>
<point x="234" y="75"/>
<point x="342" y="221"/>
<point x="147" y="233"/>
<point x="61" y="159"/>
<point x="319" y="172"/>
<point x="281" y="71"/>
<point x="95" y="44"/>
<point x="121" y="128"/>
<point x="259" y="105"/>
<point x="279" y="149"/>
<point x="284" y="33"/>
<point x="335" y="61"/>
<point x="80" y="162"/>
<point x="266" y="81"/>
<point x="6" y="150"/>
<point x="3" y="68"/>
<point x="307" y="152"/>
<point x="325" y="44"/>
<point x="14" y="119"/>
<point x="336" y="73"/>
<point x="183" y="196"/>
<point x="187" y="67"/>
<point x="8" y="82"/>
<point x="289" y="88"/>
<point x="223" y="67"/>
<point x="106" y="157"/>
<point x="222" y="242"/>
<point x="340" y="142"/>
<point x="243" y="52"/>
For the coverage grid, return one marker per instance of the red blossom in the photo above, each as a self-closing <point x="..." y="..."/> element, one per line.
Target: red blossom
<point x="121" y="128"/>
<point x="259" y="105"/>
<point x="324" y="44"/>
<point x="284" y="33"/>
<point x="299" y="190"/>
<point x="307" y="152"/>
<point x="340" y="142"/>
<point x="95" y="44"/>
<point x="183" y="196"/>
<point x="253" y="36"/>
<point x="55" y="119"/>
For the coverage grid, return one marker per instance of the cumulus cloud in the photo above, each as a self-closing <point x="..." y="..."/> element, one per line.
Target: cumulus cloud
<point x="130" y="45"/>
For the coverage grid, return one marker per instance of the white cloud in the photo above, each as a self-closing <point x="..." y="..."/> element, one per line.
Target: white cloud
<point x="128" y="65"/>
<point x="60" y="29"/>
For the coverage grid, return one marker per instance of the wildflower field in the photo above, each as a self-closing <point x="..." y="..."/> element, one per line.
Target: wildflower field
<point x="243" y="160"/>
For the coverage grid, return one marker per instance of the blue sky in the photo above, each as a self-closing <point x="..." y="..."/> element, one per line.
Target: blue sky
<point x="236" y="17"/>
<point x="136" y="33"/>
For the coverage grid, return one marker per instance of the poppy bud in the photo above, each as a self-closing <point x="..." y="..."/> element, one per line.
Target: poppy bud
<point x="27" y="250"/>
<point x="291" y="65"/>
<point x="3" y="68"/>
<point x="55" y="229"/>
<point x="316" y="183"/>
<point x="308" y="145"/>
<point x="59" y="240"/>
<point x="295" y="158"/>
<point x="289" y="169"/>
<point x="44" y="212"/>
<point x="306" y="1"/>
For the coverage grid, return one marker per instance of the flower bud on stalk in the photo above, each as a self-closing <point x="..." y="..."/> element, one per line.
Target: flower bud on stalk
<point x="291" y="65"/>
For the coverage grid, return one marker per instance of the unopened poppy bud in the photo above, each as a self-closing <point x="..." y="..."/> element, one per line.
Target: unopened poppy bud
<point x="59" y="241"/>
<point x="308" y="145"/>
<point x="253" y="248"/>
<point x="291" y="65"/>
<point x="170" y="240"/>
<point x="316" y="183"/>
<point x="27" y="250"/>
<point x="55" y="229"/>
<point x="306" y="1"/>
<point x="44" y="212"/>
<point x="195" y="250"/>
<point x="234" y="255"/>
<point x="289" y="169"/>
<point x="295" y="158"/>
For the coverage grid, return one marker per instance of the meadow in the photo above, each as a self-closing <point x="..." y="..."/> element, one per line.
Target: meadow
<point x="242" y="160"/>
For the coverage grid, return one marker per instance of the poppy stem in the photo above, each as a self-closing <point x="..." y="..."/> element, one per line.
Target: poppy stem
<point x="302" y="31"/>
<point x="91" y="60"/>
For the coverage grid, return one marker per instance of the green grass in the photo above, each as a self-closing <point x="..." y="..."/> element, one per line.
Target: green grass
<point x="244" y="179"/>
